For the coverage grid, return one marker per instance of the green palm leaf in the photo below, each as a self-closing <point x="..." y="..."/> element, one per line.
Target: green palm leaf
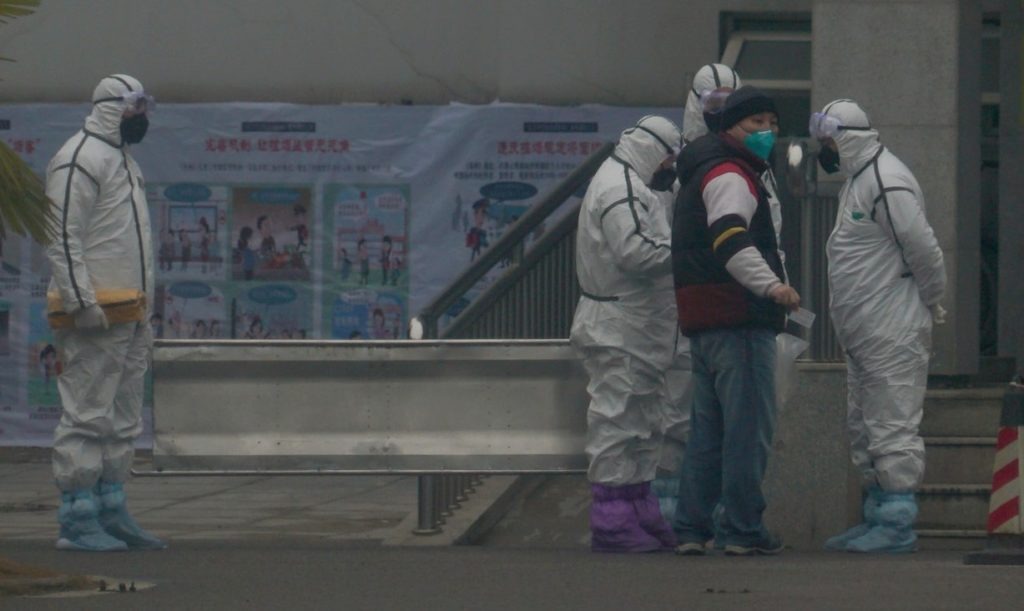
<point x="10" y="9"/>
<point x="24" y="207"/>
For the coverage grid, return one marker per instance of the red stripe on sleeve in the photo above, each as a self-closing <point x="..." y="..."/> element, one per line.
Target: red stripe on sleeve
<point x="725" y="168"/>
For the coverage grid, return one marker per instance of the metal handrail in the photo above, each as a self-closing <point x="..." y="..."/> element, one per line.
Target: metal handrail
<point x="484" y="302"/>
<point x="511" y="244"/>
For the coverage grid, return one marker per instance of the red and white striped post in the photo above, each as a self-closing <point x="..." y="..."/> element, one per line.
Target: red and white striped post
<point x="1005" y="544"/>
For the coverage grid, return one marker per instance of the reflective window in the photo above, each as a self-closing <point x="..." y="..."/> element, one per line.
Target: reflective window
<point x="989" y="64"/>
<point x="788" y="60"/>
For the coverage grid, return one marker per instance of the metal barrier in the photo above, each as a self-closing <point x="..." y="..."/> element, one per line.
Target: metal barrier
<point x="818" y="215"/>
<point x="809" y="213"/>
<point x="510" y="250"/>
<point x="454" y="407"/>
<point x="534" y="300"/>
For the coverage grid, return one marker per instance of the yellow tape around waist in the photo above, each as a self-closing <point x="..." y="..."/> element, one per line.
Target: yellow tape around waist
<point x="120" y="305"/>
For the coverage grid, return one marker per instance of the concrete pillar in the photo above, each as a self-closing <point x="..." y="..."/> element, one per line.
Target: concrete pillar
<point x="913" y="65"/>
<point x="1011" y="182"/>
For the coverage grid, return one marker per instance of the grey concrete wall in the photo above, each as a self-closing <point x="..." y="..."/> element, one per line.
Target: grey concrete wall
<point x="1011" y="182"/>
<point x="641" y="52"/>
<point x="810" y="487"/>
<point x="913" y="66"/>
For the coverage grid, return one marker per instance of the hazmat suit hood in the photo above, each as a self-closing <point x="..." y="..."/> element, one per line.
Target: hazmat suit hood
<point x="856" y="146"/>
<point x="646" y="145"/>
<point x="711" y="76"/>
<point x="105" y="119"/>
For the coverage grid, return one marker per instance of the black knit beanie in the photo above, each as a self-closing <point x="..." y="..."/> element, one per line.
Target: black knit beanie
<point x="742" y="103"/>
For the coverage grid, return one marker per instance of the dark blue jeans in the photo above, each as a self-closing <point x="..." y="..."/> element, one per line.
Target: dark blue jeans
<point x="732" y="420"/>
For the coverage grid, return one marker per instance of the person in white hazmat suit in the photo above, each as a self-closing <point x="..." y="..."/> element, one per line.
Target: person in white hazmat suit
<point x="710" y="77"/>
<point x="625" y="329"/>
<point x="886" y="278"/>
<point x="103" y="243"/>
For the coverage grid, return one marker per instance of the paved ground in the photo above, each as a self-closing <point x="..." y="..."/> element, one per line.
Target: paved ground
<point x="334" y="542"/>
<point x="378" y="509"/>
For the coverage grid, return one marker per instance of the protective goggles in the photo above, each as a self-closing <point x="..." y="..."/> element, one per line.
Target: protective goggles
<point x="826" y="126"/>
<point x="712" y="101"/>
<point x="135" y="101"/>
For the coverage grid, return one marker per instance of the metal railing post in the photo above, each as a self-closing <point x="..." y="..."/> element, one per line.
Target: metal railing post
<point x="426" y="506"/>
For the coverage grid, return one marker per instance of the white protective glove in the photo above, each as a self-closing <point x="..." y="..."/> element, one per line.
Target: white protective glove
<point x="938" y="314"/>
<point x="91" y="317"/>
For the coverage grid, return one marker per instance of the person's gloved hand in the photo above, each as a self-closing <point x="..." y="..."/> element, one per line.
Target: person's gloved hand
<point x="91" y="317"/>
<point x="938" y="314"/>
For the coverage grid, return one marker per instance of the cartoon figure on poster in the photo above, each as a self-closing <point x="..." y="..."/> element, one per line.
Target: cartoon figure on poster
<point x="370" y="235"/>
<point x="189" y="310"/>
<point x="44" y="362"/>
<point x="190" y="229"/>
<point x="273" y="311"/>
<point x="367" y="314"/>
<point x="271" y="234"/>
<point x="489" y="216"/>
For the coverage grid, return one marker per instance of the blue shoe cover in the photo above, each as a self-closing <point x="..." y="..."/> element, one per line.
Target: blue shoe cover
<point x="871" y="505"/>
<point x="838" y="543"/>
<point x="116" y="520"/>
<point x="894" y="533"/>
<point x="884" y="540"/>
<point x="79" y="528"/>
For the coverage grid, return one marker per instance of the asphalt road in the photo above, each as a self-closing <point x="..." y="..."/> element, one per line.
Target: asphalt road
<point x="293" y="575"/>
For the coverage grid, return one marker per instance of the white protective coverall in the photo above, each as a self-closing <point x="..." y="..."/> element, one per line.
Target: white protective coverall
<point x="103" y="243"/>
<point x="625" y="325"/>
<point x="709" y="77"/>
<point x="885" y="273"/>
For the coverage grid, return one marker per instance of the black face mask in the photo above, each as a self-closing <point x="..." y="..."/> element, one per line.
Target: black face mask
<point x="828" y="159"/>
<point x="663" y="179"/>
<point x="133" y="128"/>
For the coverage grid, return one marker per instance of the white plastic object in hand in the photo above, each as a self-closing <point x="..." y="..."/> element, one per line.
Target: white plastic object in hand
<point x="803" y="317"/>
<point x="938" y="314"/>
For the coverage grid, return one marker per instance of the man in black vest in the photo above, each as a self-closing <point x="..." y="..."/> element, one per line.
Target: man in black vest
<point x="732" y="299"/>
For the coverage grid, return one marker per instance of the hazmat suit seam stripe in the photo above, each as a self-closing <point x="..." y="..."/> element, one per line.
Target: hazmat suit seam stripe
<point x="135" y="216"/>
<point x="610" y="206"/>
<point x="890" y="190"/>
<point x="725" y="235"/>
<point x="888" y="212"/>
<point x="64" y="222"/>
<point x="123" y="82"/>
<point x="872" y="161"/>
<point x="102" y="139"/>
<point x="656" y="137"/>
<point x="80" y="169"/>
<point x="632" y="210"/>
<point x="593" y="297"/>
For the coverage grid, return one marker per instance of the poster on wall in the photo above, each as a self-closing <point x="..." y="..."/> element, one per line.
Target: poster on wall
<point x="366" y="279"/>
<point x="287" y="222"/>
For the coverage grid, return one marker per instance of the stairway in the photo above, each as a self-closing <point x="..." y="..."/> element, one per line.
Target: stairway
<point x="959" y="431"/>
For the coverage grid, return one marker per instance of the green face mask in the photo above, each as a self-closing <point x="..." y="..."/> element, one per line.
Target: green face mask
<point x="760" y="143"/>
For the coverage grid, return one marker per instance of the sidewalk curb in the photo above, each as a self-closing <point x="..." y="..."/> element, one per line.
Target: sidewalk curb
<point x="485" y="508"/>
